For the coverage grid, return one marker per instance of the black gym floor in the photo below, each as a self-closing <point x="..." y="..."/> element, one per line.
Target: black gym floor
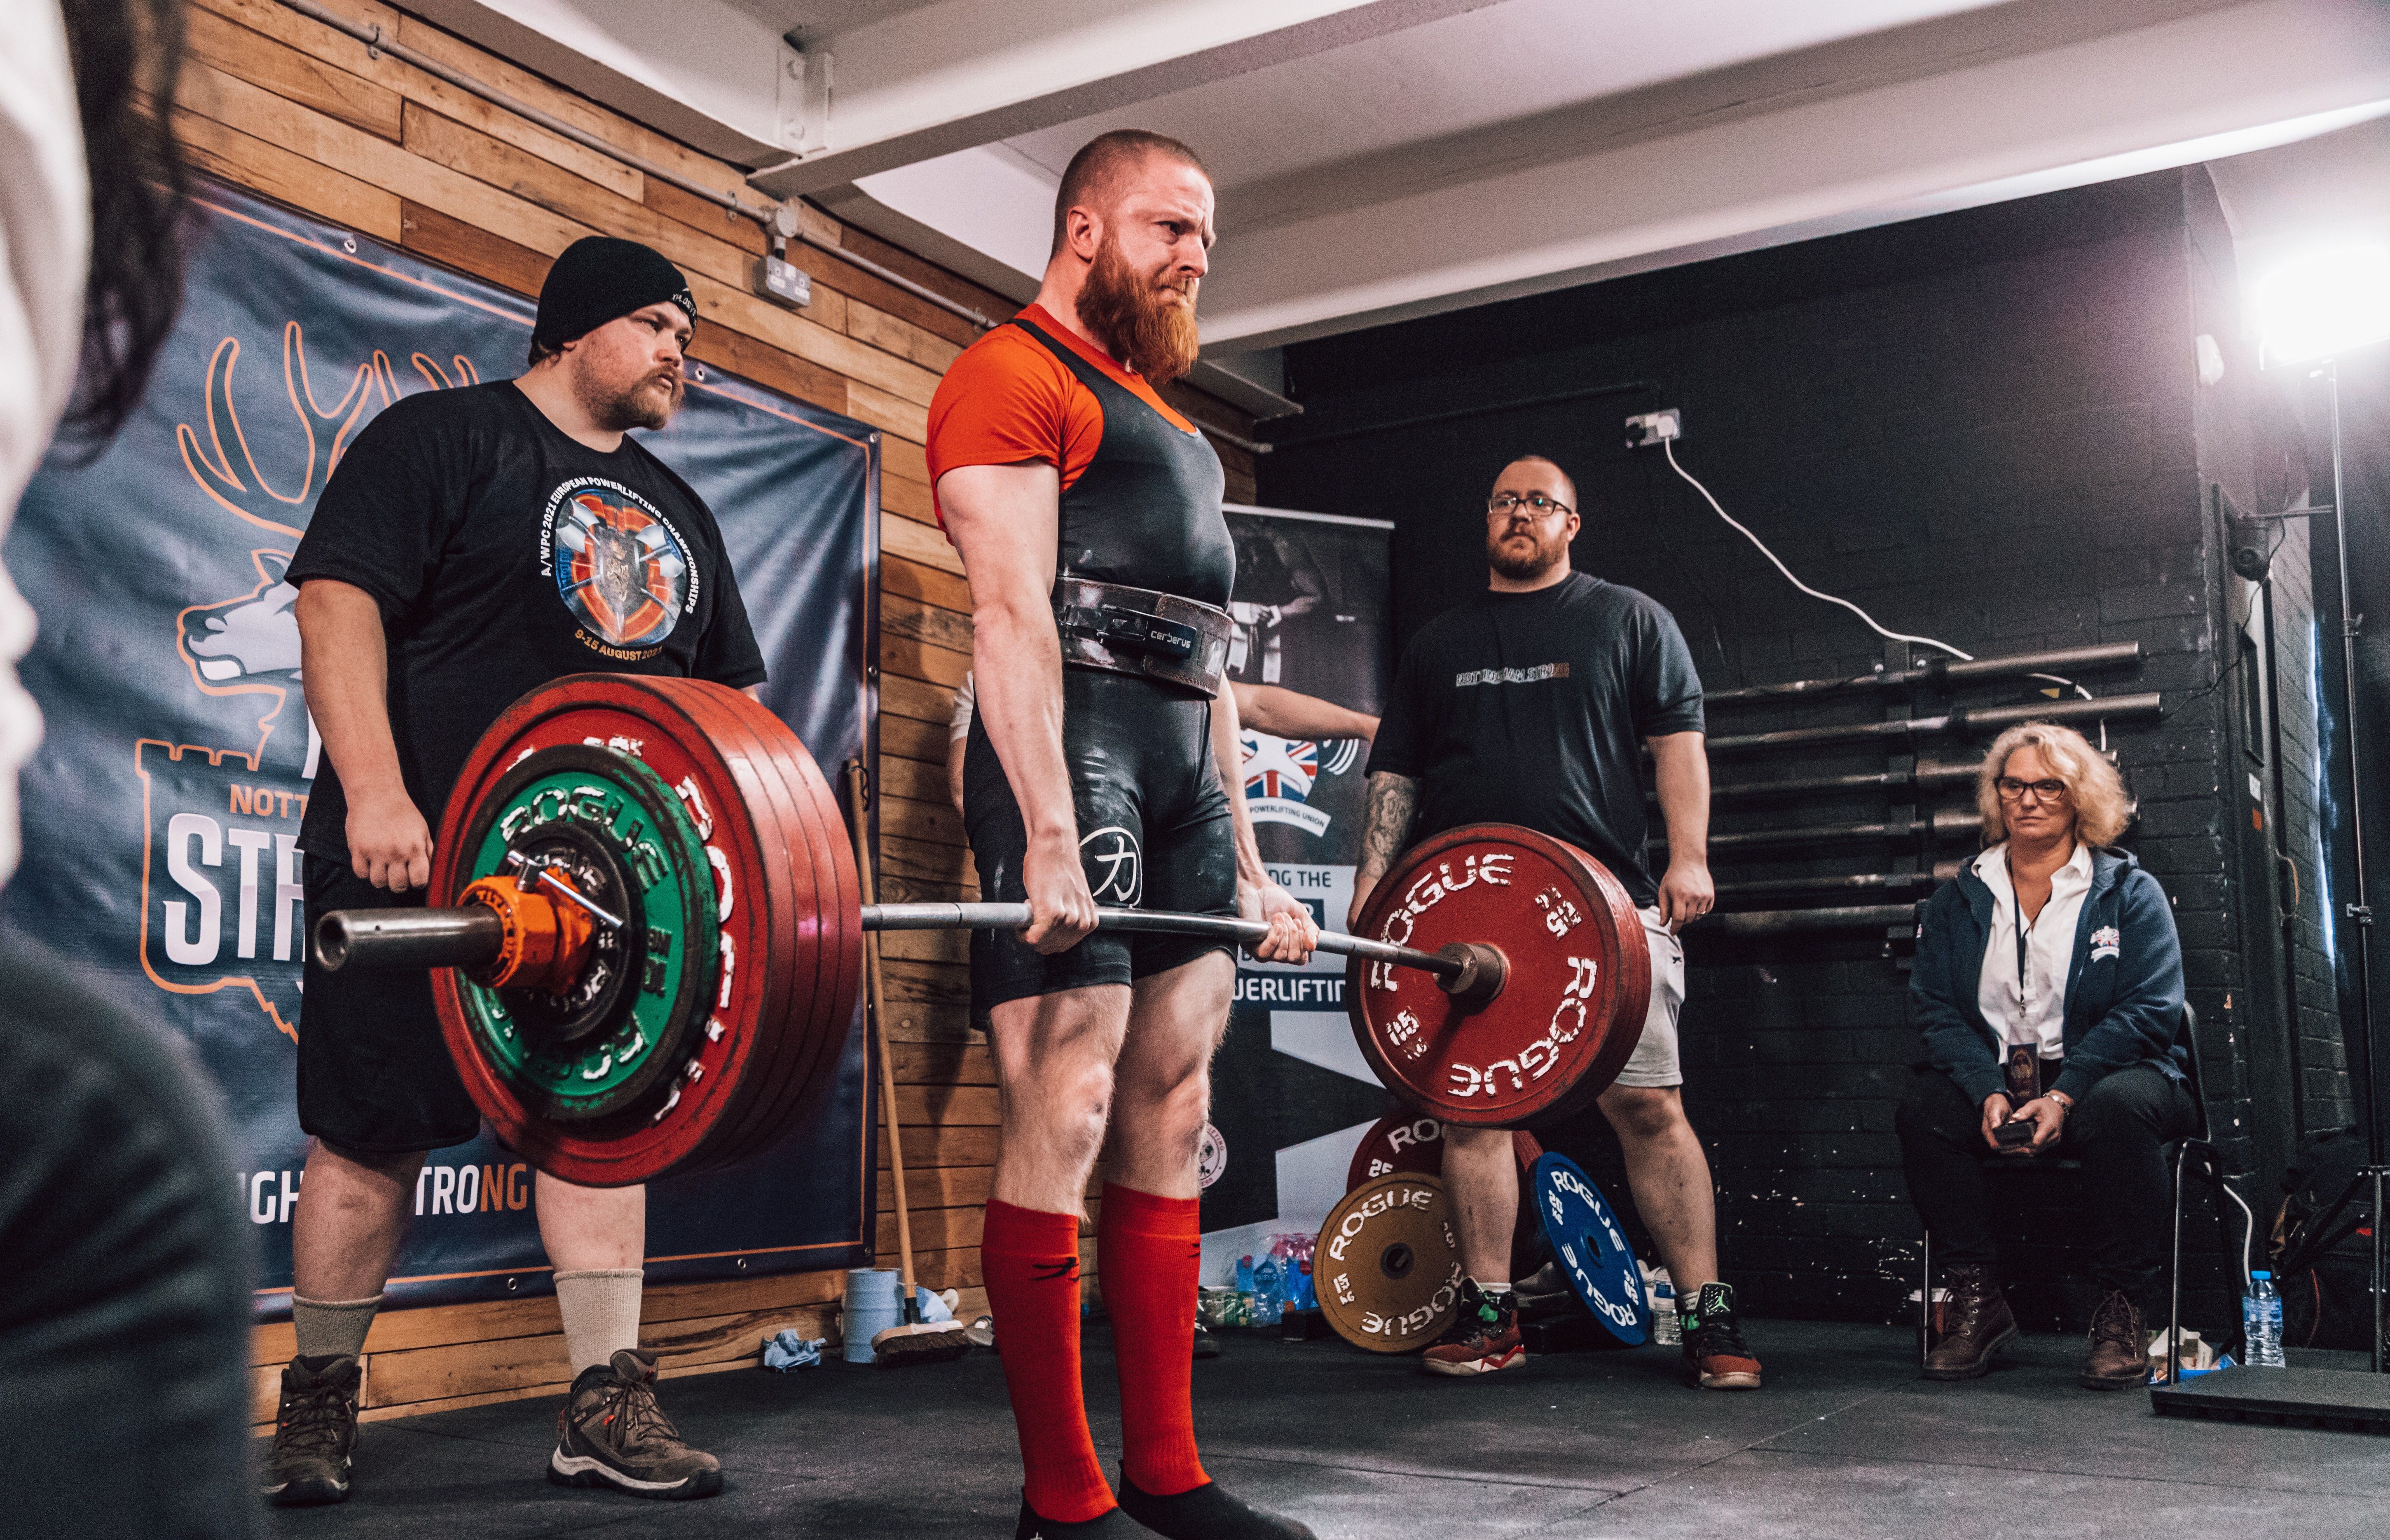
<point x="1845" y="1442"/>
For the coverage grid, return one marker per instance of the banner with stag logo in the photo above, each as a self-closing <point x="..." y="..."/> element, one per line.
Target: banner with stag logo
<point x="1291" y="1092"/>
<point x="162" y="815"/>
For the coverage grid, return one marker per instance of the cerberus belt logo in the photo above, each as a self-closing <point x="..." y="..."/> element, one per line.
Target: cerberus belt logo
<point x="222" y="900"/>
<point x="1115" y="867"/>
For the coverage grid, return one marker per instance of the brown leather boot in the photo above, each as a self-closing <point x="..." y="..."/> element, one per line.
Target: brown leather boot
<point x="1978" y="1321"/>
<point x="2118" y="1359"/>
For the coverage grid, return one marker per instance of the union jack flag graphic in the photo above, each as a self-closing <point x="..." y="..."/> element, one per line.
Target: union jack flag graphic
<point x="1279" y="768"/>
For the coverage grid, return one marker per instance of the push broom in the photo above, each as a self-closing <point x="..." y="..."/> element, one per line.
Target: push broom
<point x="912" y="1341"/>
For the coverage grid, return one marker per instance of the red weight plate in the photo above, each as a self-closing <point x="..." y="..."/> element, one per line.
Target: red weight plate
<point x="827" y="908"/>
<point x="764" y="960"/>
<point x="1399" y="1141"/>
<point x="1407" y="1141"/>
<point x="792" y="893"/>
<point x="1578" y="980"/>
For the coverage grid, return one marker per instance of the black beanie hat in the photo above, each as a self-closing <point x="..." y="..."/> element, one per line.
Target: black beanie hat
<point x="600" y="279"/>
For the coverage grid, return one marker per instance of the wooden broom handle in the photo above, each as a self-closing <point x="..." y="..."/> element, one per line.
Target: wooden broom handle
<point x="879" y="1033"/>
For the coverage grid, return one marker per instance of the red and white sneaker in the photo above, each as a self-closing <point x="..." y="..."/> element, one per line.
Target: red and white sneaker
<point x="1483" y="1339"/>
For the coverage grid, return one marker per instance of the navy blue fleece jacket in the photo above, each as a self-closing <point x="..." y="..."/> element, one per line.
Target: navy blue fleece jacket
<point x="2124" y="988"/>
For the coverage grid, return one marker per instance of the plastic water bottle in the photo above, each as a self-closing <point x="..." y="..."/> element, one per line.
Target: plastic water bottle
<point x="1267" y="1302"/>
<point x="2261" y="1320"/>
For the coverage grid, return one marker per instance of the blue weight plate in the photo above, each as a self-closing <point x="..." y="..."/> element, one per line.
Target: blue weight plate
<point x="1591" y="1248"/>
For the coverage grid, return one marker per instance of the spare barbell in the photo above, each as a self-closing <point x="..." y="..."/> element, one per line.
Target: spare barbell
<point x="646" y="932"/>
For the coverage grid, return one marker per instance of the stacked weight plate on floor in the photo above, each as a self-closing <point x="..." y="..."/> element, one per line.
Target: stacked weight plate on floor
<point x="1570" y="1008"/>
<point x="714" y="1020"/>
<point x="1387" y="1264"/>
<point x="1407" y="1142"/>
<point x="1590" y="1247"/>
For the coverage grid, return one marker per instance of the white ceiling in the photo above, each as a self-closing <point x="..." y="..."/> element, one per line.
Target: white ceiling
<point x="1379" y="159"/>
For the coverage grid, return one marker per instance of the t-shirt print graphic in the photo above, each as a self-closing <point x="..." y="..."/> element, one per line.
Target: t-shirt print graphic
<point x="619" y="567"/>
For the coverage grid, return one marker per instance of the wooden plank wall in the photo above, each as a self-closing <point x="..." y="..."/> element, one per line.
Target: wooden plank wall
<point x="300" y="113"/>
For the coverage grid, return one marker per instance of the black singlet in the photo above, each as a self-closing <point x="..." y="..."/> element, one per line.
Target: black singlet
<point x="1154" y="822"/>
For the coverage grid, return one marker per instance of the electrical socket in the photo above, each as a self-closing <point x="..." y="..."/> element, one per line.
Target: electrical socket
<point x="1650" y="428"/>
<point x="782" y="283"/>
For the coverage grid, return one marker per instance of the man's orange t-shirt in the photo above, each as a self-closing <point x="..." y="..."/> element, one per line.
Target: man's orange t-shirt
<point x="1007" y="401"/>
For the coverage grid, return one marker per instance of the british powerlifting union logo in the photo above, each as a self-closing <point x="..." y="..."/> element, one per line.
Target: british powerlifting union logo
<point x="619" y="567"/>
<point x="1281" y="772"/>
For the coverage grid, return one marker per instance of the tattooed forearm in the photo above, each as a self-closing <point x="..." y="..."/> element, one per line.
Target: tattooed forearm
<point x="1388" y="823"/>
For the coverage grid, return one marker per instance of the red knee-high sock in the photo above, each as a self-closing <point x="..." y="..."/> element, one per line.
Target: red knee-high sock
<point x="1150" y="1251"/>
<point x="1030" y="1262"/>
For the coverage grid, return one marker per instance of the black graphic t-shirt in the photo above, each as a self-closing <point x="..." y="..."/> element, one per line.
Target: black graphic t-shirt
<point x="504" y="555"/>
<point x="1532" y="708"/>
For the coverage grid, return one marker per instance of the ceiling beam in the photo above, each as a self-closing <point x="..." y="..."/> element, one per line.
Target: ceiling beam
<point x="1755" y="168"/>
<point x="961" y="73"/>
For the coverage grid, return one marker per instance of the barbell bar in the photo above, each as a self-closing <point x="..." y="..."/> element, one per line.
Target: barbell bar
<point x="473" y="936"/>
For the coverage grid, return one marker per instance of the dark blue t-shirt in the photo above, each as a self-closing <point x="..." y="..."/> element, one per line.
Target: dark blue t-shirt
<point x="505" y="553"/>
<point x="1532" y="708"/>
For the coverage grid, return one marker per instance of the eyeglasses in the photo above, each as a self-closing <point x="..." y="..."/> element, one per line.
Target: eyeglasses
<point x="2013" y="790"/>
<point x="1503" y="503"/>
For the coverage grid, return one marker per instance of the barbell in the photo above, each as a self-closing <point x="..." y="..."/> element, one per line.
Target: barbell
<point x="645" y="932"/>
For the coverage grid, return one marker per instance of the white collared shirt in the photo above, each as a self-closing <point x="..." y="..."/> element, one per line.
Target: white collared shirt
<point x="2030" y="1005"/>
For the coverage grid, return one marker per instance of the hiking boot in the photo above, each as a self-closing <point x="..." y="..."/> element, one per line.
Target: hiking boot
<point x="612" y="1433"/>
<point x="1483" y="1338"/>
<point x="1977" y="1325"/>
<point x="2118" y="1357"/>
<point x="315" y="1433"/>
<point x="1715" y="1357"/>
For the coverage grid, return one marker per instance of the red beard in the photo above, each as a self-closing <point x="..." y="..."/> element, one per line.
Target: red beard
<point x="1151" y="329"/>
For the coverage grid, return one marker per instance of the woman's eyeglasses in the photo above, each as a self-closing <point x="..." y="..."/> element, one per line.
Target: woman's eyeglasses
<point x="2013" y="790"/>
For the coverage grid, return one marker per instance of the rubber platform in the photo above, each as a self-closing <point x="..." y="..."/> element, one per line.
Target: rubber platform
<point x="1844" y="1444"/>
<point x="2310" y="1397"/>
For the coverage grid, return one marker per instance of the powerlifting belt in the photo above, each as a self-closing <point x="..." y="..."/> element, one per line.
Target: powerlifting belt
<point x="1123" y="630"/>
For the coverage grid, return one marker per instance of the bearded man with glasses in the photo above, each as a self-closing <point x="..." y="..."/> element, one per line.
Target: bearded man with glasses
<point x="1531" y="704"/>
<point x="2048" y="988"/>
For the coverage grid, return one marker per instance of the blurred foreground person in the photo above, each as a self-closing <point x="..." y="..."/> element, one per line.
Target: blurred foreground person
<point x="124" y="1261"/>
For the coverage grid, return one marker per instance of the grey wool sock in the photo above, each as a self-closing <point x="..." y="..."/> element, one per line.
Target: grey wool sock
<point x="601" y="1313"/>
<point x="332" y="1329"/>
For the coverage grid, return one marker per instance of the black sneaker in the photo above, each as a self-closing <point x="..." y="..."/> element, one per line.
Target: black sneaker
<point x="612" y="1433"/>
<point x="1107" y="1525"/>
<point x="1715" y="1357"/>
<point x="315" y="1433"/>
<point x="1483" y="1338"/>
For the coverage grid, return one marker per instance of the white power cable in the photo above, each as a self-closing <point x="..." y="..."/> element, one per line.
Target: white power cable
<point x="1668" y="447"/>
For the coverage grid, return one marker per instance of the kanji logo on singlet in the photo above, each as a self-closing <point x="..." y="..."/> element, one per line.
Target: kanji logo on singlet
<point x="1115" y="866"/>
<point x="620" y="566"/>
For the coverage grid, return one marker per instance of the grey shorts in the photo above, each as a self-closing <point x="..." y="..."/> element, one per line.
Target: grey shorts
<point x="1654" y="1062"/>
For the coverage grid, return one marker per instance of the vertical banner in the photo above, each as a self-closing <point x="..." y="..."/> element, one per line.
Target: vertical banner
<point x="1291" y="1092"/>
<point x="162" y="815"/>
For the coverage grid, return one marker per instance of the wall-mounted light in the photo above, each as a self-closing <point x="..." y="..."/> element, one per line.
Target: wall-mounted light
<point x="2322" y="302"/>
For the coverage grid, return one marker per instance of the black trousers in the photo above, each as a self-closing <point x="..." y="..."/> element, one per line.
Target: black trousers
<point x="2118" y="1131"/>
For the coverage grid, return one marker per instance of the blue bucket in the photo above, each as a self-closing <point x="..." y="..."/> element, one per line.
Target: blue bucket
<point x="874" y="1302"/>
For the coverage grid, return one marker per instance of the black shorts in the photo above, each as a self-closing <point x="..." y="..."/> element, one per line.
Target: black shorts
<point x="374" y="1076"/>
<point x="1155" y="832"/>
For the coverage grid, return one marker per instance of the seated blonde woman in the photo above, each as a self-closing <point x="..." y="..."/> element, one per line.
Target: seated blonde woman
<point x="2048" y="987"/>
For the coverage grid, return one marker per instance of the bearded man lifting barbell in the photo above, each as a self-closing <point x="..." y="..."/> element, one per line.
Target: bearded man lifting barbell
<point x="475" y="543"/>
<point x="1103" y="767"/>
<point x="1527" y="704"/>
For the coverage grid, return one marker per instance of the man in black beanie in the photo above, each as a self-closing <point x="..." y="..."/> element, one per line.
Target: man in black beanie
<point x="473" y="544"/>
